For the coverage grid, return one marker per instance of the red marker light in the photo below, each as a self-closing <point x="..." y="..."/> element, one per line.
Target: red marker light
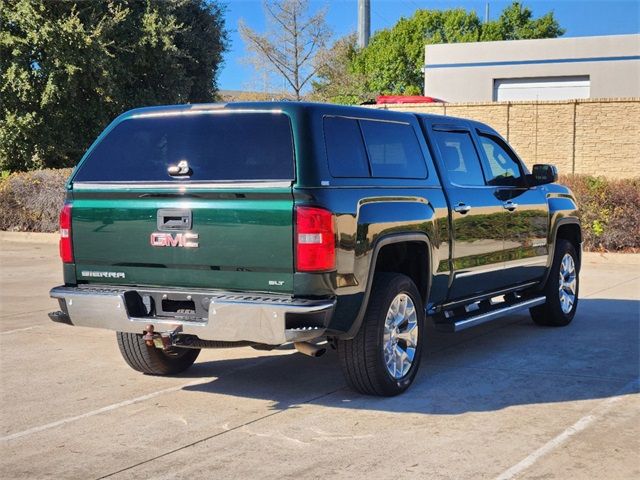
<point x="315" y="240"/>
<point x="66" y="248"/>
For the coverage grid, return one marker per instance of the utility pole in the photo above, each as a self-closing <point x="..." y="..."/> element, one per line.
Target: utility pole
<point x="486" y="13"/>
<point x="364" y="23"/>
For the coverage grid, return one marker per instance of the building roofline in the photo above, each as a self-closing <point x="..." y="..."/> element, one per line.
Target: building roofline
<point x="539" y="61"/>
<point x="534" y="40"/>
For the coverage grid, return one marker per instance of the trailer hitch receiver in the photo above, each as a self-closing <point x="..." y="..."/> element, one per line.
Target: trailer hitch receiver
<point x="164" y="340"/>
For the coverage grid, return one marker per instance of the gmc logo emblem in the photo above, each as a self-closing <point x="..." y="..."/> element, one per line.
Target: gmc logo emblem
<point x="186" y="240"/>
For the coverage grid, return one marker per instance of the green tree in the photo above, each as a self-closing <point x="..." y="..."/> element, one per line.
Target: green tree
<point x="392" y="62"/>
<point x="68" y="68"/>
<point x="337" y="81"/>
<point x="516" y="22"/>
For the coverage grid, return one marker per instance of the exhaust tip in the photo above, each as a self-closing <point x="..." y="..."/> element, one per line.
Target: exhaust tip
<point x="321" y="351"/>
<point x="310" y="349"/>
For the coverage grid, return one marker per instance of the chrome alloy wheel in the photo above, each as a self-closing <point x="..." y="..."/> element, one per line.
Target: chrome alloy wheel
<point x="400" y="337"/>
<point x="567" y="284"/>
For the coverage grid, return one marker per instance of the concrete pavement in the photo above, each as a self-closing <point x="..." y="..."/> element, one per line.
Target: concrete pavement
<point x="504" y="400"/>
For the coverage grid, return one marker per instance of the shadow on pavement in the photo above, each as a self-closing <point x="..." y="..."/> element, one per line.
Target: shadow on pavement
<point x="507" y="363"/>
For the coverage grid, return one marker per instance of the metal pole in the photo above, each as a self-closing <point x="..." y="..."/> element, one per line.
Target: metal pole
<point x="364" y="23"/>
<point x="486" y="13"/>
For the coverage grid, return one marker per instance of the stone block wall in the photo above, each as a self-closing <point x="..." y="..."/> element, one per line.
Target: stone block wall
<point x="590" y="136"/>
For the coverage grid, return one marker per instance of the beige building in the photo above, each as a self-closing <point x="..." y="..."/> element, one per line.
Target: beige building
<point x="545" y="69"/>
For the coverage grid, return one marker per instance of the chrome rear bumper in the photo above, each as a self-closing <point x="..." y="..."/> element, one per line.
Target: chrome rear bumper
<point x="227" y="316"/>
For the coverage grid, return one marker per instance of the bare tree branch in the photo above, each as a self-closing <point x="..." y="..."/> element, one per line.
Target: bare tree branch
<point x="291" y="42"/>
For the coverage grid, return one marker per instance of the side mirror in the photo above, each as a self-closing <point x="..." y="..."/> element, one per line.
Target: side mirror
<point x="543" y="173"/>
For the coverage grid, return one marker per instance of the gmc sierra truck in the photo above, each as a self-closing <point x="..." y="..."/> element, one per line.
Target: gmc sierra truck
<point x="265" y="224"/>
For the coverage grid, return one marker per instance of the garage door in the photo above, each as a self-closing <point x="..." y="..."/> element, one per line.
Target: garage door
<point x="541" y="88"/>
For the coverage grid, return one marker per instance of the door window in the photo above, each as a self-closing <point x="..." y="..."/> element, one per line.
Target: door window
<point x="460" y="158"/>
<point x="502" y="168"/>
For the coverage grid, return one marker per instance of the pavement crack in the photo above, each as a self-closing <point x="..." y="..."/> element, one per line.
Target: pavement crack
<point x="218" y="434"/>
<point x="524" y="372"/>
<point x="609" y="287"/>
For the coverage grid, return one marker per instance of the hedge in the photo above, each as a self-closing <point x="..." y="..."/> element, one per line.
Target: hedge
<point x="609" y="209"/>
<point x="31" y="201"/>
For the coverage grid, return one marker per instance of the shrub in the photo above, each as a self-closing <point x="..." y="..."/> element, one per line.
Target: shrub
<point x="31" y="201"/>
<point x="608" y="211"/>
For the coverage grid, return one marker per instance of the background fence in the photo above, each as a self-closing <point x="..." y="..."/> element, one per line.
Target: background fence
<point x="591" y="136"/>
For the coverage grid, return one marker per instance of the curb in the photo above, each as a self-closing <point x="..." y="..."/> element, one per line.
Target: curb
<point x="611" y="258"/>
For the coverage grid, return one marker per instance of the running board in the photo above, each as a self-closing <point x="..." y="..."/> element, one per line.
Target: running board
<point x="468" y="321"/>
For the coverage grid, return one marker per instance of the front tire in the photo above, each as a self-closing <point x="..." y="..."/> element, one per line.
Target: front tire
<point x="561" y="289"/>
<point x="152" y="360"/>
<point x="384" y="356"/>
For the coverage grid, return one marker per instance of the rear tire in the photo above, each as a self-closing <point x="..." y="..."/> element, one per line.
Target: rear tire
<point x="154" y="361"/>
<point x="384" y="356"/>
<point x="561" y="289"/>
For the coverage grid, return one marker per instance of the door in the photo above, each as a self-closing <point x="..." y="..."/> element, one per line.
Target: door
<point x="477" y="214"/>
<point x="526" y="209"/>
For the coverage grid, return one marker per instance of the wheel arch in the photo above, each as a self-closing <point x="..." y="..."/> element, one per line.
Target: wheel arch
<point x="567" y="228"/>
<point x="385" y="250"/>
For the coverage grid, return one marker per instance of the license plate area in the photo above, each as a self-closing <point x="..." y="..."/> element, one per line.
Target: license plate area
<point x="186" y="306"/>
<point x="179" y="306"/>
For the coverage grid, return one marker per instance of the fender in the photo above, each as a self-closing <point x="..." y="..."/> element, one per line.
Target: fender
<point x="381" y="242"/>
<point x="552" y="244"/>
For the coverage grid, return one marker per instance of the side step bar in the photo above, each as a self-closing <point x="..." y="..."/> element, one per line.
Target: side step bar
<point x="471" y="320"/>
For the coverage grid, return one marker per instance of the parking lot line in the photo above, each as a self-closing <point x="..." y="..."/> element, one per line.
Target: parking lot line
<point x="580" y="425"/>
<point x="108" y="408"/>
<point x="16" y="330"/>
<point x="217" y="434"/>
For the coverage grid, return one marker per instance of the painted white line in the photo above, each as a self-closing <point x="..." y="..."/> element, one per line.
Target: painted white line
<point x="16" y="330"/>
<point x="22" y="314"/>
<point x="577" y="427"/>
<point x="108" y="408"/>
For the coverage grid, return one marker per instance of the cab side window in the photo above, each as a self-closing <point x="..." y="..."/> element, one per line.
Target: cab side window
<point x="393" y="148"/>
<point x="362" y="148"/>
<point x="460" y="157"/>
<point x="345" y="148"/>
<point x="502" y="168"/>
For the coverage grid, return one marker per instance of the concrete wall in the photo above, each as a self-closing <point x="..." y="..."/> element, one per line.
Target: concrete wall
<point x="465" y="72"/>
<point x="594" y="137"/>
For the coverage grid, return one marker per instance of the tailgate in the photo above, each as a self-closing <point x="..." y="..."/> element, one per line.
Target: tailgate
<point x="240" y="240"/>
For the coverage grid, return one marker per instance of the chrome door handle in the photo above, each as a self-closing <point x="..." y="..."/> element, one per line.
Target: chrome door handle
<point x="509" y="205"/>
<point x="462" y="208"/>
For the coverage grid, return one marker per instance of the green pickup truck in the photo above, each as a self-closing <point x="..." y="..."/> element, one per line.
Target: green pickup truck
<point x="264" y="224"/>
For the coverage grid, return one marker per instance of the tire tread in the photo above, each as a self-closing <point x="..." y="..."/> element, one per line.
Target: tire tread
<point x="150" y="360"/>
<point x="549" y="314"/>
<point x="359" y="356"/>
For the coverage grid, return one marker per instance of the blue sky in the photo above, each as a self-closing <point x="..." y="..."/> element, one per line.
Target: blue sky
<point x="578" y="18"/>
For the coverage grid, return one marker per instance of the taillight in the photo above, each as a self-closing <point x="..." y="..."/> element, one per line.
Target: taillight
<point x="66" y="248"/>
<point x="315" y="240"/>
